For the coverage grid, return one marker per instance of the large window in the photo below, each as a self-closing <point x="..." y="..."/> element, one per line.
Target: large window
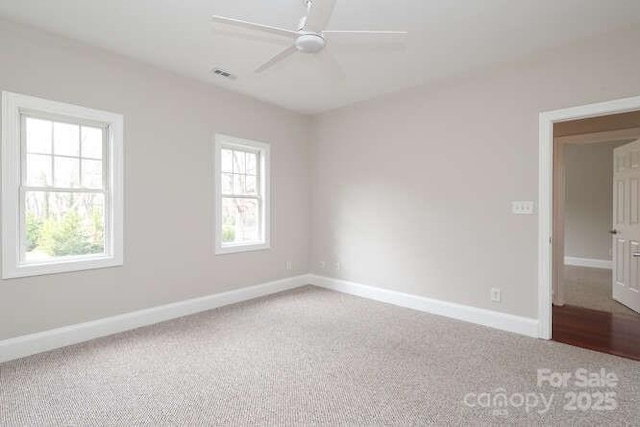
<point x="242" y="195"/>
<point x="62" y="192"/>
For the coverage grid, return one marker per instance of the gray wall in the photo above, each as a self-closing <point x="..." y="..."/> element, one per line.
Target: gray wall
<point x="169" y="126"/>
<point x="412" y="192"/>
<point x="588" y="199"/>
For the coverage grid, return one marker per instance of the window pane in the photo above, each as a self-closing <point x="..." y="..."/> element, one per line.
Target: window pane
<point x="226" y="161"/>
<point x="38" y="170"/>
<point x="252" y="161"/>
<point x="251" y="185"/>
<point x="38" y="135"/>
<point x="91" y="173"/>
<point x="66" y="139"/>
<point x="238" y="184"/>
<point x="240" y="220"/>
<point x="91" y="142"/>
<point x="63" y="224"/>
<point x="238" y="162"/>
<point x="66" y="172"/>
<point x="227" y="183"/>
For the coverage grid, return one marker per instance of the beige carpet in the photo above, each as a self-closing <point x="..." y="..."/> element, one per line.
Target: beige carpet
<point x="591" y="288"/>
<point x="303" y="357"/>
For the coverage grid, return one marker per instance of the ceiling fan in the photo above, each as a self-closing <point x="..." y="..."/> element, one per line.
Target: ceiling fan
<point x="311" y="37"/>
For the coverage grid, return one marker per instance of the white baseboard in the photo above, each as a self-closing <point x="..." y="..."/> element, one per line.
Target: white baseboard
<point x="26" y="345"/>
<point x="506" y="322"/>
<point x="588" y="262"/>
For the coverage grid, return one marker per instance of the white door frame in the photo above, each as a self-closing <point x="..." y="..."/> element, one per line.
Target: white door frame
<point x="545" y="196"/>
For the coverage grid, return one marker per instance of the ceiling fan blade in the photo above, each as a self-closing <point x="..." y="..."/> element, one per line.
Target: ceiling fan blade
<point x="358" y="35"/>
<point x="379" y="40"/>
<point x="278" y="58"/>
<point x="318" y="14"/>
<point x="256" y="27"/>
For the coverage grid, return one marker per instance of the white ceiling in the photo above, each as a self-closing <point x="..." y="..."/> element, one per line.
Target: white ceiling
<point x="447" y="37"/>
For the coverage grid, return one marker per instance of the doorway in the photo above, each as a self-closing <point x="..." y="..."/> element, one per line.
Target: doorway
<point x="592" y="223"/>
<point x="576" y="280"/>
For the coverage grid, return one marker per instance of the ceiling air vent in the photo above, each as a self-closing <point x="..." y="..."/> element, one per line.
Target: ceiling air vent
<point x="223" y="73"/>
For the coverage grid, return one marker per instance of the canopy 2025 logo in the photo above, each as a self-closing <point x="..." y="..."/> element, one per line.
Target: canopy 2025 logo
<point x="585" y="391"/>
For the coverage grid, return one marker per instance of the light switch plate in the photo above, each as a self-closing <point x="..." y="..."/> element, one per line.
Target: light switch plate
<point x="522" y="208"/>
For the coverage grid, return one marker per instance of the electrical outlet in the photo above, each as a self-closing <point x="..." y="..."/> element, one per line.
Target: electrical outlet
<point x="338" y="266"/>
<point x="322" y="265"/>
<point x="495" y="295"/>
<point x="289" y="266"/>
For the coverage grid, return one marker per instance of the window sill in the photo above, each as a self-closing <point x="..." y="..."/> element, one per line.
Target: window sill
<point x="242" y="248"/>
<point x="40" y="269"/>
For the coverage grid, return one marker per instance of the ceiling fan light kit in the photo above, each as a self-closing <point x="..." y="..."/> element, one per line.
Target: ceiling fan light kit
<point x="308" y="42"/>
<point x="311" y="36"/>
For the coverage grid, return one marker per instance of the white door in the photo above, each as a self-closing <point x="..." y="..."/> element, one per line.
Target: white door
<point x="626" y="225"/>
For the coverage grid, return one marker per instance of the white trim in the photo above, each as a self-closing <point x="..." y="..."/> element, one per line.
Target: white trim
<point x="26" y="345"/>
<point x="234" y="249"/>
<point x="221" y="141"/>
<point x="545" y="202"/>
<point x="493" y="319"/>
<point x="13" y="105"/>
<point x="545" y="209"/>
<point x="588" y="262"/>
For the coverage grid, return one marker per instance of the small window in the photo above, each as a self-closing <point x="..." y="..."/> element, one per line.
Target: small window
<point x="62" y="199"/>
<point x="242" y="195"/>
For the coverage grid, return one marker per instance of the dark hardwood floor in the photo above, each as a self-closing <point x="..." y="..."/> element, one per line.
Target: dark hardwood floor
<point x="617" y="334"/>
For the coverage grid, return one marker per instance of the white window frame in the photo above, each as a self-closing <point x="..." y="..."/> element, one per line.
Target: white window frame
<point x="231" y="142"/>
<point x="14" y="107"/>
